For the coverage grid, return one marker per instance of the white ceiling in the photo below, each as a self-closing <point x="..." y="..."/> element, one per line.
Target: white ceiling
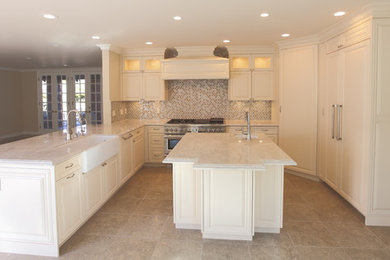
<point x="129" y="23"/>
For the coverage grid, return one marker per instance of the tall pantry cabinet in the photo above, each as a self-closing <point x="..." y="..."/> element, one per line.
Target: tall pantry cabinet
<point x="354" y="117"/>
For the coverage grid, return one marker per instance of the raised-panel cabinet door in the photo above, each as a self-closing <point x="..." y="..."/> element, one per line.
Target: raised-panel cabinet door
<point x="138" y="152"/>
<point x="262" y="85"/>
<point x="69" y="204"/>
<point x="126" y="158"/>
<point x="93" y="189"/>
<point x="110" y="172"/>
<point x="240" y="85"/>
<point x="153" y="86"/>
<point x="132" y="86"/>
<point x="354" y="130"/>
<point x="24" y="206"/>
<point x="333" y="146"/>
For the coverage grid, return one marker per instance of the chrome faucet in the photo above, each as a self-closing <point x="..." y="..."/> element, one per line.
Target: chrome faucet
<point x="69" y="131"/>
<point x="248" y="121"/>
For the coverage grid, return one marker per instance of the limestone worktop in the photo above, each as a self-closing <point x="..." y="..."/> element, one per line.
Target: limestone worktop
<point x="224" y="150"/>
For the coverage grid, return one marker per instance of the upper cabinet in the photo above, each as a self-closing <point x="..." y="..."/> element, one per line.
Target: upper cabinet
<point x="251" y="77"/>
<point x="141" y="79"/>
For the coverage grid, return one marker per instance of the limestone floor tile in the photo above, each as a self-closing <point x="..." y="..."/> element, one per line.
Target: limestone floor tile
<point x="168" y="249"/>
<point x="104" y="224"/>
<point x="323" y="253"/>
<point x="292" y="197"/>
<point x="299" y="212"/>
<point x="259" y="252"/>
<point x="155" y="207"/>
<point x="224" y="249"/>
<point x="127" y="248"/>
<point x="353" y="234"/>
<point x="82" y="246"/>
<point x="309" y="234"/>
<point x="133" y="191"/>
<point x="171" y="232"/>
<point x="121" y="205"/>
<point x="383" y="233"/>
<point x="343" y="213"/>
<point x="161" y="193"/>
<point x="272" y="240"/>
<point x="23" y="257"/>
<point x="372" y="254"/>
<point x="143" y="227"/>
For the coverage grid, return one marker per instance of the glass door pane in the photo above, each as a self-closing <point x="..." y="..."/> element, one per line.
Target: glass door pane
<point x="95" y="105"/>
<point x="80" y="95"/>
<point x="46" y="103"/>
<point x="62" y="102"/>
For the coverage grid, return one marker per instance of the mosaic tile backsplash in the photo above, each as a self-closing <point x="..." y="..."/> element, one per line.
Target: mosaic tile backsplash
<point x="193" y="99"/>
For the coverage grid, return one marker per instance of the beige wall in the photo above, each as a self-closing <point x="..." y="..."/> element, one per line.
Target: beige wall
<point x="18" y="103"/>
<point x="11" y="109"/>
<point x="30" y="101"/>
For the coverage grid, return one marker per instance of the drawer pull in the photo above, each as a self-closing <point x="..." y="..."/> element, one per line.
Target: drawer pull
<point x="69" y="166"/>
<point x="104" y="164"/>
<point x="71" y="176"/>
<point x="156" y="129"/>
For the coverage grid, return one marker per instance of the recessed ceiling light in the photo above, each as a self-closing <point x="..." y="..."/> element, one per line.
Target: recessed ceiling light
<point x="148" y="43"/>
<point x="339" y="13"/>
<point x="226" y="41"/>
<point x="95" y="37"/>
<point x="49" y="16"/>
<point x="264" y="14"/>
<point x="28" y="58"/>
<point x="285" y="35"/>
<point x="177" y="18"/>
<point x="66" y="65"/>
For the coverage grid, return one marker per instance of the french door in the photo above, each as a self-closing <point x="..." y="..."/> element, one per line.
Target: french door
<point x="61" y="92"/>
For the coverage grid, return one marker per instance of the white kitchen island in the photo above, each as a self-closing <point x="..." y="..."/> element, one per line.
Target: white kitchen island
<point x="228" y="187"/>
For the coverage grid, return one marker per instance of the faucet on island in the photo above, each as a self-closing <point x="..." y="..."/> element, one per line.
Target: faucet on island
<point x="248" y="121"/>
<point x="69" y="131"/>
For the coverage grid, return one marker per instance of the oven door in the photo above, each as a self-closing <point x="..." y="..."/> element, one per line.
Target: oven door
<point x="170" y="142"/>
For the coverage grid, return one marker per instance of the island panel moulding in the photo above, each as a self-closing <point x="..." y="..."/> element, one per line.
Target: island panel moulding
<point x="193" y="99"/>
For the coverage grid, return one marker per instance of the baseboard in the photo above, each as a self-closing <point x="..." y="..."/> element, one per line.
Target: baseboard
<point x="267" y="230"/>
<point x="188" y="226"/>
<point x="227" y="236"/>
<point x="303" y="175"/>
<point x="377" y="220"/>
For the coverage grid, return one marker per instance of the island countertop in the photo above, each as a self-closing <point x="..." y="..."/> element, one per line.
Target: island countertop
<point x="224" y="150"/>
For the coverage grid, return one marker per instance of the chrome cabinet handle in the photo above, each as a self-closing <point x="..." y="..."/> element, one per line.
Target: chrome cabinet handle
<point x="339" y="123"/>
<point x="69" y="166"/>
<point x="71" y="176"/>
<point x="333" y="120"/>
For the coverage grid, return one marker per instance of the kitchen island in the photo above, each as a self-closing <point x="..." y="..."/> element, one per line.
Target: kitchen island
<point x="226" y="186"/>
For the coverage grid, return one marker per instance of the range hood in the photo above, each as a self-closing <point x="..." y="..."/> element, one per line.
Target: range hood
<point x="195" y="68"/>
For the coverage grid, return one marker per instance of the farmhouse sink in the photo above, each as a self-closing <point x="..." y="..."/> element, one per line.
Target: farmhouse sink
<point x="95" y="149"/>
<point x="102" y="148"/>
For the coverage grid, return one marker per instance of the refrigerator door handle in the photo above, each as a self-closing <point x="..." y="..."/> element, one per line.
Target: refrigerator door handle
<point x="333" y="120"/>
<point x="339" y="123"/>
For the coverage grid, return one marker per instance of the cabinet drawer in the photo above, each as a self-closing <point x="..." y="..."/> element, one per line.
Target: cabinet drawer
<point x="235" y="129"/>
<point x="156" y="155"/>
<point x="137" y="132"/>
<point x="156" y="129"/>
<point x="156" y="140"/>
<point x="265" y="130"/>
<point x="64" y="168"/>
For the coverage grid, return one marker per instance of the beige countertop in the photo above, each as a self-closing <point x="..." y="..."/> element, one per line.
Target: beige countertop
<point x="48" y="148"/>
<point x="227" y="151"/>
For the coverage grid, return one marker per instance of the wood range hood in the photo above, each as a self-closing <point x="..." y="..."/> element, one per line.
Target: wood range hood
<point x="195" y="68"/>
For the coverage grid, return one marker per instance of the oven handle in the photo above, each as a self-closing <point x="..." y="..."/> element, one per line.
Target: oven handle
<point x="173" y="136"/>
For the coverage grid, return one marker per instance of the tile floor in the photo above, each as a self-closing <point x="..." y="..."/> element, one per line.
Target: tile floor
<point x="136" y="223"/>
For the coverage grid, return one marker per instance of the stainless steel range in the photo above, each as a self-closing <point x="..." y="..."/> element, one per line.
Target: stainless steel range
<point x="175" y="129"/>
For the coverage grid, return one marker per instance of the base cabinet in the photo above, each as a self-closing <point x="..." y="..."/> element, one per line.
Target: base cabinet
<point x="234" y="203"/>
<point x="69" y="204"/>
<point x="93" y="190"/>
<point x="138" y="149"/>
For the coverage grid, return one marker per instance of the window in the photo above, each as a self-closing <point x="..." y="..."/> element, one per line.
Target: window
<point x="62" y="92"/>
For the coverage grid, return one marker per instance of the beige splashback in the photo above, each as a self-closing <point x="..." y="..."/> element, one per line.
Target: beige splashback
<point x="193" y="99"/>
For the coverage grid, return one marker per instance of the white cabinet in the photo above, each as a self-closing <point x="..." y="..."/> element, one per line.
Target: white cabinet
<point x="270" y="131"/>
<point x="138" y="148"/>
<point x="346" y="113"/>
<point x="154" y="144"/>
<point x="126" y="157"/>
<point x="69" y="204"/>
<point x="93" y="190"/>
<point x="298" y="97"/>
<point x="110" y="176"/>
<point x="141" y="79"/>
<point x="251" y="77"/>
<point x="25" y="209"/>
